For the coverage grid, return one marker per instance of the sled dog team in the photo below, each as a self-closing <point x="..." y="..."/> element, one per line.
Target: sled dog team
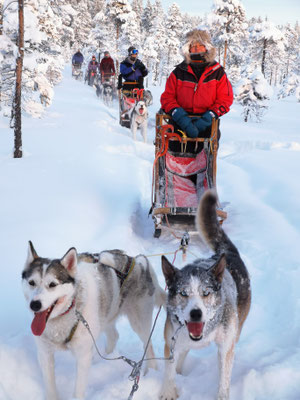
<point x="207" y="300"/>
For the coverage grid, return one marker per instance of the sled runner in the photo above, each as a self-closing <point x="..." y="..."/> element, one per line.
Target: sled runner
<point x="184" y="168"/>
<point x="128" y="97"/>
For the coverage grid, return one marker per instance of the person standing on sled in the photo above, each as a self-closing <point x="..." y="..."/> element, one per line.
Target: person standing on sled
<point x="107" y="67"/>
<point x="92" y="71"/>
<point x="199" y="85"/>
<point x="132" y="70"/>
<point x="77" y="59"/>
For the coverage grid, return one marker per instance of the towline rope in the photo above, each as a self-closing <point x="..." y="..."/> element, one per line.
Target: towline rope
<point x="136" y="365"/>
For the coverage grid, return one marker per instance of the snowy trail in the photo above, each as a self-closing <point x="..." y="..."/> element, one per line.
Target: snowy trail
<point x="83" y="182"/>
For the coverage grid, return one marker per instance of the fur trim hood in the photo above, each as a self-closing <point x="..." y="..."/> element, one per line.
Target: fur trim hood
<point x="202" y="37"/>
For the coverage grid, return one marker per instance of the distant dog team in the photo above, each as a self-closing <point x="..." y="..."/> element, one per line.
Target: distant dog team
<point x="208" y="300"/>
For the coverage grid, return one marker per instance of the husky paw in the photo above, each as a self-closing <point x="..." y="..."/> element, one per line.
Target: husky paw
<point x="168" y="392"/>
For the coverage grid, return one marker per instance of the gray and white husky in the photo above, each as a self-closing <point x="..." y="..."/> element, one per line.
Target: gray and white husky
<point x="208" y="300"/>
<point x="139" y="120"/>
<point x="99" y="286"/>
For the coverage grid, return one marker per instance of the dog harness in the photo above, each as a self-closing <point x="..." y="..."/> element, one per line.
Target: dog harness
<point x="124" y="274"/>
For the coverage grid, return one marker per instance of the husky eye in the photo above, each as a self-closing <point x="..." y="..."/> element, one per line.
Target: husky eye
<point x="31" y="283"/>
<point x="52" y="284"/>
<point x="205" y="293"/>
<point x="183" y="293"/>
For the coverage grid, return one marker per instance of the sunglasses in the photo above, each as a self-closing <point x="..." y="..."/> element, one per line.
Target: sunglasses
<point x="135" y="51"/>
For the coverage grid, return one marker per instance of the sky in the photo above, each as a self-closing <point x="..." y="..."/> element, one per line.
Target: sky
<point x="279" y="12"/>
<point x="84" y="182"/>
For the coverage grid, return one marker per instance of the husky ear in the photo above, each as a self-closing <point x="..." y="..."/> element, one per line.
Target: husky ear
<point x="218" y="268"/>
<point x="69" y="261"/>
<point x="168" y="269"/>
<point x="31" y="254"/>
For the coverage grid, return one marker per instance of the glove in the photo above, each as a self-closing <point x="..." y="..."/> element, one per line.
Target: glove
<point x="204" y="122"/>
<point x="180" y="116"/>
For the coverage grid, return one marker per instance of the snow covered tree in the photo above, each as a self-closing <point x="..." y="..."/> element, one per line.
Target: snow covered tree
<point x="42" y="63"/>
<point x="265" y="36"/>
<point x="253" y="94"/>
<point x="16" y="117"/>
<point x="174" y="27"/>
<point x="137" y="8"/>
<point x="156" y="41"/>
<point x="228" y="20"/>
<point x="123" y="22"/>
<point x="290" y="85"/>
<point x="147" y="18"/>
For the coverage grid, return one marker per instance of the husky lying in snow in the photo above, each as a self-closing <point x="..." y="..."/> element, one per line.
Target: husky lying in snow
<point x="138" y="119"/>
<point x="209" y="299"/>
<point x="101" y="287"/>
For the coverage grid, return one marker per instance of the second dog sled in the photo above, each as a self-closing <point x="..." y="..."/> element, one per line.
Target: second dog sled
<point x="128" y="97"/>
<point x="184" y="168"/>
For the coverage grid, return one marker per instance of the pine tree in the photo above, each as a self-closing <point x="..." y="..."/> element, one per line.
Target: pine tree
<point x="265" y="36"/>
<point x="228" y="20"/>
<point x="123" y="22"/>
<point x="174" y="34"/>
<point x="253" y="94"/>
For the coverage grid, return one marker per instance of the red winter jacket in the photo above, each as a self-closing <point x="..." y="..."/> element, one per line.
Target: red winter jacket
<point x="107" y="66"/>
<point x="212" y="92"/>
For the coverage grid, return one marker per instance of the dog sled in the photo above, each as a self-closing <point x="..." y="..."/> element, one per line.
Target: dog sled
<point x="77" y="71"/>
<point x="184" y="168"/>
<point x="129" y="95"/>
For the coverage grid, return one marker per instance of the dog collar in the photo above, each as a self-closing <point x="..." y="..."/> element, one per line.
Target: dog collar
<point x="71" y="334"/>
<point x="70" y="307"/>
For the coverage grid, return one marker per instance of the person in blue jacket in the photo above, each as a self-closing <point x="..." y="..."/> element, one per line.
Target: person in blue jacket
<point x="77" y="59"/>
<point x="132" y="70"/>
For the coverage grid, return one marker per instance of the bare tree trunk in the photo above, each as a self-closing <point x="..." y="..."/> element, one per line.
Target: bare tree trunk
<point x="264" y="57"/>
<point x="117" y="45"/>
<point x="287" y="67"/>
<point x="17" y="110"/>
<point x="225" y="54"/>
<point x="1" y="18"/>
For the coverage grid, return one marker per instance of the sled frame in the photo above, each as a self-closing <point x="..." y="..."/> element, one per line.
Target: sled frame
<point x="161" y="213"/>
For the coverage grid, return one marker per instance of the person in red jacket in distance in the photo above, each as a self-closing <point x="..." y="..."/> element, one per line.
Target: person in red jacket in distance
<point x="198" y="85"/>
<point x="107" y="66"/>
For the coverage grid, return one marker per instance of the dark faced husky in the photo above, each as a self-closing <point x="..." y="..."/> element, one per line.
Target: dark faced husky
<point x="208" y="300"/>
<point x="99" y="286"/>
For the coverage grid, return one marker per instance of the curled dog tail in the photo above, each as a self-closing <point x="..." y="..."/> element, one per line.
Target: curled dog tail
<point x="208" y="224"/>
<point x="216" y="238"/>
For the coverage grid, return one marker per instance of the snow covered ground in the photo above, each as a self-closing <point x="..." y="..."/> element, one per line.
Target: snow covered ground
<point x="83" y="182"/>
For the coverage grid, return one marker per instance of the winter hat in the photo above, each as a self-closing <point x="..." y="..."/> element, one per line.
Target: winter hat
<point x="202" y="37"/>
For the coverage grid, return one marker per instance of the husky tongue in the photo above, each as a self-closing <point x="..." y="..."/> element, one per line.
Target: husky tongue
<point x="195" y="328"/>
<point x="141" y="110"/>
<point x="38" y="324"/>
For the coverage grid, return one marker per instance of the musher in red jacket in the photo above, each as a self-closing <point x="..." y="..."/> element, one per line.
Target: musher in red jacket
<point x="107" y="67"/>
<point x="198" y="85"/>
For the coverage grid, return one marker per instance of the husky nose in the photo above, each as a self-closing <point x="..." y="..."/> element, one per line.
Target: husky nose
<point x="196" y="314"/>
<point x="36" y="305"/>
